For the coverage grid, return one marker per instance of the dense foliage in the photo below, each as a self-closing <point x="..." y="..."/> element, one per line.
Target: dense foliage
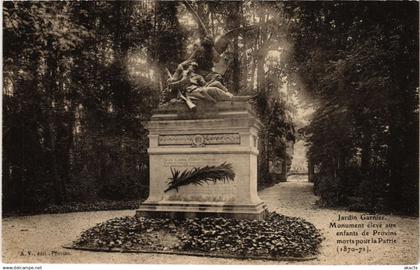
<point x="80" y="77"/>
<point x="276" y="237"/>
<point x="360" y="63"/>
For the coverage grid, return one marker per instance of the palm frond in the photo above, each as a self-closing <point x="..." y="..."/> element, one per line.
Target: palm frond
<point x="199" y="176"/>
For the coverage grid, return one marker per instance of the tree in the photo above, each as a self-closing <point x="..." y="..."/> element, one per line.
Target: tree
<point x="80" y="77"/>
<point x="360" y="63"/>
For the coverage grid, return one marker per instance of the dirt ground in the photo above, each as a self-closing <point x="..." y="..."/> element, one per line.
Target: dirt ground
<point x="39" y="239"/>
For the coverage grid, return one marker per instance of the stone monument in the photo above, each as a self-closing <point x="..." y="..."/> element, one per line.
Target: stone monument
<point x="203" y="141"/>
<point x="211" y="135"/>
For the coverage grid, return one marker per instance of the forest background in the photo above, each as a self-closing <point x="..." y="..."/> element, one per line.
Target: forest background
<point x="80" y="77"/>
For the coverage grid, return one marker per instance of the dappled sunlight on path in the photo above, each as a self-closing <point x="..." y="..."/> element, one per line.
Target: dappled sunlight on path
<point x="297" y="199"/>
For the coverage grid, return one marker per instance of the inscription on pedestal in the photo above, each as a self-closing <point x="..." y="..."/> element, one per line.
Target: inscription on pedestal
<point x="199" y="139"/>
<point x="189" y="162"/>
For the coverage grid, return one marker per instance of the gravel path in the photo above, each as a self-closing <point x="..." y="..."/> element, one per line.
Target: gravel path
<point x="39" y="239"/>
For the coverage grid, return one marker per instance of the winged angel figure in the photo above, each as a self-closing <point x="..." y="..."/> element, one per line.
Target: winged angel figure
<point x="200" y="76"/>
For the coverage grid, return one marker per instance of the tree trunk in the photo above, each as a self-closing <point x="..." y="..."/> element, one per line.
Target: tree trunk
<point x="311" y="171"/>
<point x="52" y="64"/>
<point x="366" y="154"/>
<point x="233" y="21"/>
<point x="284" y="165"/>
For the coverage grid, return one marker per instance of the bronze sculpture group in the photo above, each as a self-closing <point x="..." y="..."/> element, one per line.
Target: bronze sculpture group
<point x="197" y="78"/>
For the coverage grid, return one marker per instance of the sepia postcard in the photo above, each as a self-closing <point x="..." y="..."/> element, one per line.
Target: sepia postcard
<point x="221" y="133"/>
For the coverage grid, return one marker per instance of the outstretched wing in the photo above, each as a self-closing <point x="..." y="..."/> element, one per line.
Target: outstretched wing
<point x="201" y="26"/>
<point x="222" y="41"/>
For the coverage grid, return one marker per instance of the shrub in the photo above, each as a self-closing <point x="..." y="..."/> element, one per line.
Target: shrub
<point x="122" y="188"/>
<point x="331" y="190"/>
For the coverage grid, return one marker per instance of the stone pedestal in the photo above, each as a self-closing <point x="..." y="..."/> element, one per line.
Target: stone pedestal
<point x="210" y="135"/>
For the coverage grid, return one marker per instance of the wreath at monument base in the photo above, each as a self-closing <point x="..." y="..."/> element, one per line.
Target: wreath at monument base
<point x="277" y="237"/>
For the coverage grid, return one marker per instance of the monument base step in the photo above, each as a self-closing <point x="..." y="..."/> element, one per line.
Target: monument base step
<point x="187" y="210"/>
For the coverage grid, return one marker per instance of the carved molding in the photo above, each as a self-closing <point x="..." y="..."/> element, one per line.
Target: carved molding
<point x="200" y="140"/>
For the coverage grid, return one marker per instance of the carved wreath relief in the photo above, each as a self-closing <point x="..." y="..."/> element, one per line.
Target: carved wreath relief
<point x="199" y="140"/>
